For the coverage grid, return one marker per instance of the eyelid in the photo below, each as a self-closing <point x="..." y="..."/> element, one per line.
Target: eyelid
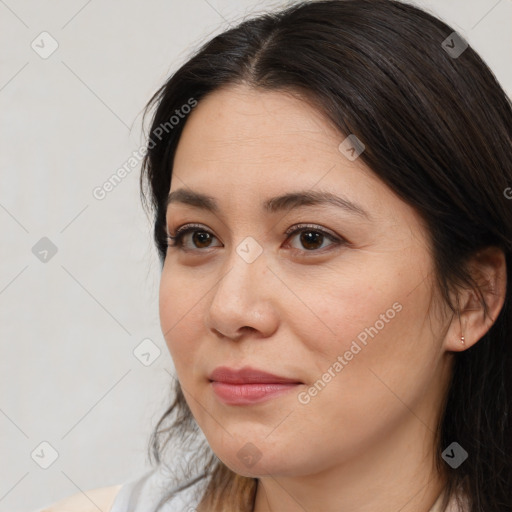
<point x="185" y="227"/>
<point x="313" y="227"/>
<point x="288" y="232"/>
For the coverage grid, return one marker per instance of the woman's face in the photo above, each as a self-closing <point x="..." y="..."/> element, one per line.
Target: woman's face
<point x="339" y="306"/>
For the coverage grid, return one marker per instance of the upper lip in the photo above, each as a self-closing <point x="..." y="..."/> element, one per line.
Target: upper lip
<point x="247" y="375"/>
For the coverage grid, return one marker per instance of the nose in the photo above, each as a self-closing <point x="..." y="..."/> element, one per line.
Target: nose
<point x="244" y="300"/>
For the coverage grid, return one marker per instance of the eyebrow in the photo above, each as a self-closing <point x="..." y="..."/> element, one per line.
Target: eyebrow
<point x="274" y="204"/>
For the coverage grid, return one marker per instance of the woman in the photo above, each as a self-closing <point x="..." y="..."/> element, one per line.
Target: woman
<point x="330" y="187"/>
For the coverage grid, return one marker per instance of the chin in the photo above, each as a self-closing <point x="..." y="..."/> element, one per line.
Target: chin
<point x="250" y="461"/>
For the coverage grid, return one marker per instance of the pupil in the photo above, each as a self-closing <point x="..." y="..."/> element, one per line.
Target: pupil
<point x="309" y="237"/>
<point x="200" y="234"/>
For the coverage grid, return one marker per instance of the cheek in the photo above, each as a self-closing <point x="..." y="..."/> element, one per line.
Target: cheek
<point x="367" y="320"/>
<point x="179" y="310"/>
<point x="341" y="314"/>
<point x="384" y="350"/>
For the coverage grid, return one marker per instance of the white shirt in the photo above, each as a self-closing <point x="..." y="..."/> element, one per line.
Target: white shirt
<point x="142" y="494"/>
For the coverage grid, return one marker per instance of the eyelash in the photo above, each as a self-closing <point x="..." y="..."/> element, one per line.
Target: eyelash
<point x="176" y="240"/>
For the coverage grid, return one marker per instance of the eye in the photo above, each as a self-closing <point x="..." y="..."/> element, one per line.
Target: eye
<point x="311" y="239"/>
<point x="201" y="237"/>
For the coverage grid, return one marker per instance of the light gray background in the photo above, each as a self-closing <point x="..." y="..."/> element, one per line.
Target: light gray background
<point x="69" y="326"/>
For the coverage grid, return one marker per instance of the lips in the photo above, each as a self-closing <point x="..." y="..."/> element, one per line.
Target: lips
<point x="248" y="375"/>
<point x="248" y="386"/>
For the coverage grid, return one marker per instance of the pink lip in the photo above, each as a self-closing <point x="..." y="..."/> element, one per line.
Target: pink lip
<point x="248" y="375"/>
<point x="248" y="385"/>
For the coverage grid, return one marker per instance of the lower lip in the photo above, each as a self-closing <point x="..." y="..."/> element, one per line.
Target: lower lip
<point x="243" y="394"/>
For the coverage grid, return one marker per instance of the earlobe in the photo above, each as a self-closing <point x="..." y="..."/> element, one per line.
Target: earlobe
<point x="489" y="270"/>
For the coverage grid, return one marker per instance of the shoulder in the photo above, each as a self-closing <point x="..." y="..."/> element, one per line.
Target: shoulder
<point x="101" y="498"/>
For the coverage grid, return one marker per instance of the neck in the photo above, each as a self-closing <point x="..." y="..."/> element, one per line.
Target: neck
<point x="397" y="473"/>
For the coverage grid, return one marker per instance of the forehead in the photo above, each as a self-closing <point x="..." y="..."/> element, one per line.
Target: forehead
<point x="245" y="136"/>
<point x="246" y="118"/>
<point x="245" y="145"/>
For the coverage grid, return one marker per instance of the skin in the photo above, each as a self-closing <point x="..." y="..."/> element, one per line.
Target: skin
<point x="365" y="441"/>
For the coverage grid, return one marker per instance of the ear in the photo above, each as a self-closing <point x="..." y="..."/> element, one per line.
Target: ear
<point x="489" y="269"/>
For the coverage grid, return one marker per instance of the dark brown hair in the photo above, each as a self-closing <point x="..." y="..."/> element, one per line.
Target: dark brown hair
<point x="437" y="129"/>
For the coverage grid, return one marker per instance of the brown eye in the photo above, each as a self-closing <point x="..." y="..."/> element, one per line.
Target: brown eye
<point x="201" y="238"/>
<point x="312" y="238"/>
